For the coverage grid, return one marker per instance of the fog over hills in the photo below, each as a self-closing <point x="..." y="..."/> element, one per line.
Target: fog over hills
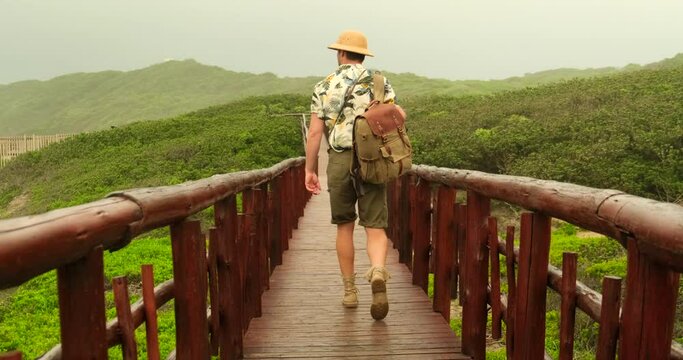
<point x="90" y="101"/>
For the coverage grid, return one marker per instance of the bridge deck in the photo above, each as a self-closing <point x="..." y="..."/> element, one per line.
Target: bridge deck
<point x="303" y="316"/>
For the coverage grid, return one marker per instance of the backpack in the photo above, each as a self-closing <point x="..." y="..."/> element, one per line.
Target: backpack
<point x="380" y="142"/>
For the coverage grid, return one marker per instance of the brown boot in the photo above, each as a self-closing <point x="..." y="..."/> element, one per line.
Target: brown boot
<point x="378" y="276"/>
<point x="350" y="299"/>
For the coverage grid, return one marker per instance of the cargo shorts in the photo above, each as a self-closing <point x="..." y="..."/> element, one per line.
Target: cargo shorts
<point x="372" y="206"/>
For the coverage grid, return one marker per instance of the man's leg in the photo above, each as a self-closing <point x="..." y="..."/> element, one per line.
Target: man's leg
<point x="345" y="250"/>
<point x="377" y="246"/>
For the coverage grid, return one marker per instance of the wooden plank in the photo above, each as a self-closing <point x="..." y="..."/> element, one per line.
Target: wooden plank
<point x="568" y="305"/>
<point x="126" y="326"/>
<point x="276" y="222"/>
<point x="302" y="315"/>
<point x="444" y="251"/>
<point x="496" y="311"/>
<point x="190" y="276"/>
<point x="81" y="307"/>
<point x="476" y="280"/>
<point x="609" y="318"/>
<point x="405" y="247"/>
<point x="151" y="327"/>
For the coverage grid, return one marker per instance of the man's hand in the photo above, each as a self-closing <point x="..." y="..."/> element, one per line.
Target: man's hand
<point x="312" y="183"/>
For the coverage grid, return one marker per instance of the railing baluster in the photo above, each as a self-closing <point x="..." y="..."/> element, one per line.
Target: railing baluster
<point x="275" y="198"/>
<point x="405" y="250"/>
<point x="12" y="355"/>
<point x="496" y="312"/>
<point x="649" y="307"/>
<point x="81" y="307"/>
<point x="568" y="305"/>
<point x="476" y="253"/>
<point x="444" y="251"/>
<point x="151" y="327"/>
<point x="190" y="276"/>
<point x="228" y="280"/>
<point x="264" y="235"/>
<point x="214" y="321"/>
<point x="512" y="291"/>
<point x="609" y="318"/>
<point x="126" y="326"/>
<point x="533" y="276"/>
<point x="462" y="244"/>
<point x="421" y="238"/>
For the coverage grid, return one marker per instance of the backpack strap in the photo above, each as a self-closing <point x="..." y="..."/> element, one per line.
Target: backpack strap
<point x="378" y="86"/>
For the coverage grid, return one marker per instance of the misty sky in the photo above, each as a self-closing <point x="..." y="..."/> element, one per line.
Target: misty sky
<point x="454" y="39"/>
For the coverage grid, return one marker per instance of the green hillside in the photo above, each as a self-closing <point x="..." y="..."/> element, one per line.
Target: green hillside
<point x="237" y="136"/>
<point x="623" y="131"/>
<point x="95" y="101"/>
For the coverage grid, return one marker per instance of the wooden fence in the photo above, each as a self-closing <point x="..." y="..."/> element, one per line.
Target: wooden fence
<point x="462" y="242"/>
<point x="13" y="146"/>
<point x="243" y="249"/>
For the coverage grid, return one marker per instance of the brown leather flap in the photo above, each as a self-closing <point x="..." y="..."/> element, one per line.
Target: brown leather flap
<point x="384" y="118"/>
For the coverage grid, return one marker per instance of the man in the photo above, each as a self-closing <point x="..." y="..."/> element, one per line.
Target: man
<point x="336" y="102"/>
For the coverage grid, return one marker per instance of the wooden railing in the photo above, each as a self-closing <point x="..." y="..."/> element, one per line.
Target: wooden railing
<point x="243" y="249"/>
<point x="13" y="146"/>
<point x="463" y="241"/>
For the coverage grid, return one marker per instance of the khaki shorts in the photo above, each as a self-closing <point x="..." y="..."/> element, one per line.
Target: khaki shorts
<point x="372" y="206"/>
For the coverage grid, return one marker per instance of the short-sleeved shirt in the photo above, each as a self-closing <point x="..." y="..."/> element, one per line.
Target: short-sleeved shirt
<point x="328" y="96"/>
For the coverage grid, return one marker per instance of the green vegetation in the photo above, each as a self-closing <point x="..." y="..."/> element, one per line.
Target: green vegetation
<point x="623" y="131"/>
<point x="222" y="139"/>
<point x="238" y="136"/>
<point x="94" y="101"/>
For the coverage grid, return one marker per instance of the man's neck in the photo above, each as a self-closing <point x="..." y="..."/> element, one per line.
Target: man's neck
<point x="349" y="62"/>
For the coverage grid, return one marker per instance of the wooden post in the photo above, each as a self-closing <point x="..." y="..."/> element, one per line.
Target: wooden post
<point x="444" y="251"/>
<point x="496" y="307"/>
<point x="455" y="267"/>
<point x="125" y="318"/>
<point x="568" y="306"/>
<point x="190" y="279"/>
<point x="264" y="237"/>
<point x="649" y="308"/>
<point x="512" y="291"/>
<point x="609" y="318"/>
<point x="214" y="321"/>
<point x="461" y="219"/>
<point x="150" y="313"/>
<point x="81" y="307"/>
<point x="421" y="238"/>
<point x="476" y="280"/>
<point x="12" y="355"/>
<point x="405" y="249"/>
<point x="533" y="276"/>
<point x="229" y="290"/>
<point x="285" y="213"/>
<point x="275" y="197"/>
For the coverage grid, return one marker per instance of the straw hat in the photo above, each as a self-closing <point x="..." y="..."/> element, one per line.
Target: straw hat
<point x="352" y="41"/>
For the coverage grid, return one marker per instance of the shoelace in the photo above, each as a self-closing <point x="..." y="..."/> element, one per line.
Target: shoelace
<point x="381" y="269"/>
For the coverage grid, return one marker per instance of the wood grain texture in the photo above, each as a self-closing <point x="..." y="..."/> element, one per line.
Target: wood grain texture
<point x="302" y="315"/>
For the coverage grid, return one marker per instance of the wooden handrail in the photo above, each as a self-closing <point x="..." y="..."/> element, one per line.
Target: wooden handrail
<point x="656" y="227"/>
<point x="65" y="235"/>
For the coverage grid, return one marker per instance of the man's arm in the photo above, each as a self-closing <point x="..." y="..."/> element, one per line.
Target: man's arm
<point x="315" y="132"/>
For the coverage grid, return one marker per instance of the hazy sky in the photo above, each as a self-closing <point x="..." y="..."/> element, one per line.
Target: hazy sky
<point x="454" y="39"/>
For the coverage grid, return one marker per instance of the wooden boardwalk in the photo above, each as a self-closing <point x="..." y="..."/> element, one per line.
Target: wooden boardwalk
<point x="303" y="316"/>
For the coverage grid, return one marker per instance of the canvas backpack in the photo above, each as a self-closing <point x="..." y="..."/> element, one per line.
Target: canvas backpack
<point x="380" y="142"/>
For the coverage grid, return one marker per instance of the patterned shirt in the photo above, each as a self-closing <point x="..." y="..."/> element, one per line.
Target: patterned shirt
<point x="328" y="96"/>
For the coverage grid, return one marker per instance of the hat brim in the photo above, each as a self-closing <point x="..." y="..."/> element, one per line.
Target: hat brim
<point x="353" y="49"/>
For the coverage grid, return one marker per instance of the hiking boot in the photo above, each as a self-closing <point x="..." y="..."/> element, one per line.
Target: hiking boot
<point x="350" y="299"/>
<point x="378" y="276"/>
